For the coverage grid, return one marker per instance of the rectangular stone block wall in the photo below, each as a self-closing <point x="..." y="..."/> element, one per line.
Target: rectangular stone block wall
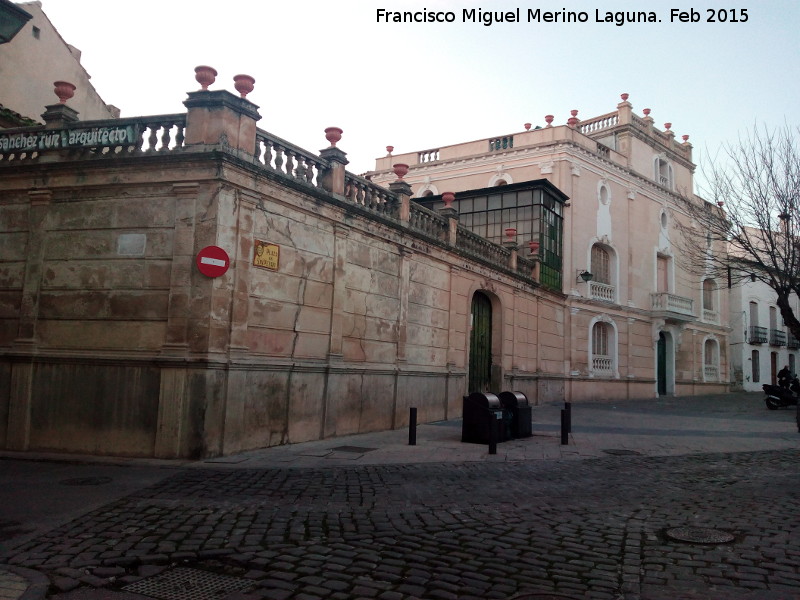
<point x="94" y="409"/>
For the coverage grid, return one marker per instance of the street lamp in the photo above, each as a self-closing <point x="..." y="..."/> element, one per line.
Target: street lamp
<point x="584" y="275"/>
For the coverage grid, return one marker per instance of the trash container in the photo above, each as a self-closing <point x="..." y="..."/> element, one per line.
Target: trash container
<point x="517" y="404"/>
<point x="479" y="410"/>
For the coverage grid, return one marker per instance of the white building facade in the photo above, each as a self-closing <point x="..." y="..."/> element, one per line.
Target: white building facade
<point x="760" y="343"/>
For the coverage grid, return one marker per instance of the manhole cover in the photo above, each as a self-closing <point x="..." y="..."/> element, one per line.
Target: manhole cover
<point x="700" y="535"/>
<point x="358" y="449"/>
<point x="622" y="452"/>
<point x="86" y="481"/>
<point x="183" y="583"/>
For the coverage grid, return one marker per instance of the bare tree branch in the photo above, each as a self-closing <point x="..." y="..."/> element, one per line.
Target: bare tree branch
<point x="749" y="229"/>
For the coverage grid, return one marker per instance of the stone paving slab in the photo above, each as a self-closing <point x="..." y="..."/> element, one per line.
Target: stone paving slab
<point x="447" y="520"/>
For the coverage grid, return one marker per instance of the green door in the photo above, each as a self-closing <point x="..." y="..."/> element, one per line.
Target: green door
<point x="480" y="344"/>
<point x="661" y="358"/>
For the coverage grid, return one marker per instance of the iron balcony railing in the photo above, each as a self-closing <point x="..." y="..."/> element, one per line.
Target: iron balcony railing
<point x="757" y="335"/>
<point x="777" y="337"/>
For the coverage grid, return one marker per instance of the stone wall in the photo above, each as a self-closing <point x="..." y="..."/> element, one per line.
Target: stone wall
<point x="114" y="343"/>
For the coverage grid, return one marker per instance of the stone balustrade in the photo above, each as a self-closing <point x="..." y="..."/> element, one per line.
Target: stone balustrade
<point x="86" y="139"/>
<point x="287" y="159"/>
<point x="602" y="365"/>
<point x="165" y="134"/>
<point x="371" y="197"/>
<point x="602" y="291"/>
<point x="664" y="302"/>
<point x="598" y="123"/>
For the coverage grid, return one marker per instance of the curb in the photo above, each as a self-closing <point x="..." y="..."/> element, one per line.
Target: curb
<point x="38" y="584"/>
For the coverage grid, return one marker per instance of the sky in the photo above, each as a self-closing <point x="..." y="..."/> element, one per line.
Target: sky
<point x="418" y="86"/>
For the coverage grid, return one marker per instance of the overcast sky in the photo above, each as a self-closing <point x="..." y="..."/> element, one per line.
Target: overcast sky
<point x="422" y="85"/>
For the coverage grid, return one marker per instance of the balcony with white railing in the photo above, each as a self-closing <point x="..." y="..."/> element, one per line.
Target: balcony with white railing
<point x="710" y="372"/>
<point x="602" y="291"/>
<point x="671" y="306"/>
<point x="602" y="366"/>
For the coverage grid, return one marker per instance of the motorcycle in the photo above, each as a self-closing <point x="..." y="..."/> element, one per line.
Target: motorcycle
<point x="778" y="397"/>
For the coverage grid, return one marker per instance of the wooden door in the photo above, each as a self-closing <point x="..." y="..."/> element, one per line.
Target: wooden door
<point x="480" y="344"/>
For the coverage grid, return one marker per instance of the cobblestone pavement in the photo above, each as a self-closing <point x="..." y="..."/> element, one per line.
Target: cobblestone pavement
<point x="593" y="528"/>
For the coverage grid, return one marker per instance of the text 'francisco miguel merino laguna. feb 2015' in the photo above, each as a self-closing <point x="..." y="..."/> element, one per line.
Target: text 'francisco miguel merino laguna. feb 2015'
<point x="537" y="15"/>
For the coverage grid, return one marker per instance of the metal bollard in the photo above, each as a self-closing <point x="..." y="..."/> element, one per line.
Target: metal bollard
<point x="412" y="427"/>
<point x="492" y="433"/>
<point x="568" y="408"/>
<point x="564" y="432"/>
<point x="798" y="417"/>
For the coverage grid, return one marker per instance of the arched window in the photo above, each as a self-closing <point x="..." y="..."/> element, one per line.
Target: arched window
<point x="601" y="264"/>
<point x="663" y="172"/>
<point x="711" y="360"/>
<point x="603" y="269"/>
<point x="603" y="350"/>
<point x="710" y="309"/>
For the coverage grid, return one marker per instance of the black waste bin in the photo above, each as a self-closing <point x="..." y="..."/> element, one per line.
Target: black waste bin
<point x="517" y="404"/>
<point x="479" y="410"/>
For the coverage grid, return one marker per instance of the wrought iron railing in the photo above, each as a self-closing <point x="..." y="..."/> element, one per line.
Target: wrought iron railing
<point x="777" y="337"/>
<point x="757" y="335"/>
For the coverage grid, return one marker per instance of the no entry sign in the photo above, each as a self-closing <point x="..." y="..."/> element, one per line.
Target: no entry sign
<point x="213" y="261"/>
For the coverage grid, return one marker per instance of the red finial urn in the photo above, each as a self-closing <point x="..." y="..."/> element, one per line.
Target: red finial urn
<point x="64" y="90"/>
<point x="511" y="233"/>
<point x="447" y="198"/>
<point x="389" y="149"/>
<point x="534" y="246"/>
<point x="527" y="126"/>
<point x="333" y="135"/>
<point x="646" y="112"/>
<point x="685" y="138"/>
<point x="549" y="120"/>
<point x="205" y="76"/>
<point x="400" y="170"/>
<point x="624" y="97"/>
<point x="244" y="84"/>
<point x="667" y="126"/>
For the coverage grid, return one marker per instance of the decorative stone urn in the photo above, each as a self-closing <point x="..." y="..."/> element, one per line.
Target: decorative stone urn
<point x="448" y="198"/>
<point x="667" y="126"/>
<point x="646" y="112"/>
<point x="624" y="97"/>
<point x="400" y="169"/>
<point x="389" y="149"/>
<point x="511" y="233"/>
<point x="534" y="246"/>
<point x="333" y="135"/>
<point x="244" y="84"/>
<point x="64" y="90"/>
<point x="685" y="138"/>
<point x="549" y="120"/>
<point x="527" y="126"/>
<point x="205" y="75"/>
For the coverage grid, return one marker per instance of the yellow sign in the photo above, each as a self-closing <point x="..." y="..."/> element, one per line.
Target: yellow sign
<point x="267" y="256"/>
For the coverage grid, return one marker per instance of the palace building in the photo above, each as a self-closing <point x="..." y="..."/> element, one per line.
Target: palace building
<point x="637" y="323"/>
